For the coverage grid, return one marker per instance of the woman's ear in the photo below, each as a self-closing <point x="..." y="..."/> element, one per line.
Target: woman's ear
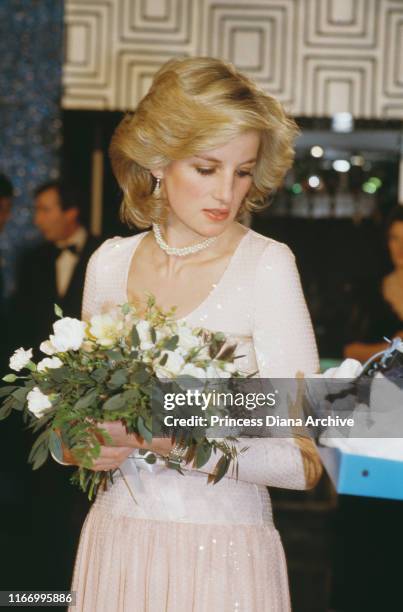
<point x="157" y="173"/>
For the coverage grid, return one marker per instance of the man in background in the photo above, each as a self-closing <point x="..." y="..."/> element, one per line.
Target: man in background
<point x="53" y="273"/>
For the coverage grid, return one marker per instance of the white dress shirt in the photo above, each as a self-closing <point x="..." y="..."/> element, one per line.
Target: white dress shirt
<point x="67" y="261"/>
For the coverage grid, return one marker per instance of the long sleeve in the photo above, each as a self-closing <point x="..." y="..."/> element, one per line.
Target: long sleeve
<point x="90" y="302"/>
<point x="285" y="346"/>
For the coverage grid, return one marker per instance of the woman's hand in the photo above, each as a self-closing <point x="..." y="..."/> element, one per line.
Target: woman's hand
<point x="111" y="457"/>
<point x="122" y="445"/>
<point x="121" y="438"/>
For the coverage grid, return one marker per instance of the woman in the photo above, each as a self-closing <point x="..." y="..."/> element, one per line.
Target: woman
<point x="203" y="145"/>
<point x="382" y="314"/>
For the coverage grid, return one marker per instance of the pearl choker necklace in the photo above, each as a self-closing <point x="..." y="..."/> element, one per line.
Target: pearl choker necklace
<point x="180" y="252"/>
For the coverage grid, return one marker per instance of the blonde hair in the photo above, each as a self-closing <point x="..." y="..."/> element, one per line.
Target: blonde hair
<point x="194" y="105"/>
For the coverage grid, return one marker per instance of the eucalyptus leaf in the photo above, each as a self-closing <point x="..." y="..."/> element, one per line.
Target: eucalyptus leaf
<point x="116" y="402"/>
<point x="141" y="374"/>
<point x="87" y="400"/>
<point x="10" y="378"/>
<point x="4" y="391"/>
<point x="118" y="379"/>
<point x="100" y="374"/>
<point x="58" y="375"/>
<point x="221" y="468"/>
<point x="55" y="445"/>
<point x="143" y="431"/>
<point x="20" y="394"/>
<point x="58" y="311"/>
<point x="203" y="454"/>
<point x="171" y="343"/>
<point x="5" y="411"/>
<point x="135" y="338"/>
<point x="163" y="359"/>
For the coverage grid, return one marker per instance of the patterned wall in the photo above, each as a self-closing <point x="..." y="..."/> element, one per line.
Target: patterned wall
<point x="31" y="42"/>
<point x="317" y="56"/>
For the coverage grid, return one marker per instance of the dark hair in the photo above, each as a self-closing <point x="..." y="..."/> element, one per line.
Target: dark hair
<point x="70" y="195"/>
<point x="395" y="215"/>
<point x="6" y="187"/>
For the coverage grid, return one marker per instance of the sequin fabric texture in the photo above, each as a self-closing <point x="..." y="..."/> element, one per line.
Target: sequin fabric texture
<point x="31" y="51"/>
<point x="185" y="544"/>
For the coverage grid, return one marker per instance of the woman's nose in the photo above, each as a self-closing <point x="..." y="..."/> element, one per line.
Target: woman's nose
<point x="224" y="189"/>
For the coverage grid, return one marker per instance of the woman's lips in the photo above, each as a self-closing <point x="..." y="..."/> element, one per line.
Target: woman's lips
<point x="216" y="214"/>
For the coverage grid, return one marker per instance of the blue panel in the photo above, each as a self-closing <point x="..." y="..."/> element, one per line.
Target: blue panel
<point x="31" y="49"/>
<point x="364" y="476"/>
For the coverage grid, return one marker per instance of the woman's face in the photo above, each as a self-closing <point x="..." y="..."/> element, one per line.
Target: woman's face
<point x="395" y="243"/>
<point x="205" y="192"/>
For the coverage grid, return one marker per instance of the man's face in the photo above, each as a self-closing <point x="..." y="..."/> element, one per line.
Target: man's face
<point x="52" y="221"/>
<point x="5" y="210"/>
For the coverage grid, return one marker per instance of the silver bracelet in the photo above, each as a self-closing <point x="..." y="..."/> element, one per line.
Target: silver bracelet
<point x="176" y="456"/>
<point x="58" y="460"/>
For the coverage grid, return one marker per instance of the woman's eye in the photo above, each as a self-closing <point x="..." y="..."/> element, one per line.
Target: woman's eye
<point x="242" y="173"/>
<point x="205" y="171"/>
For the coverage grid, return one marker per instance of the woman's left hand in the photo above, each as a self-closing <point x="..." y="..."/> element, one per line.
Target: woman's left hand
<point x="120" y="437"/>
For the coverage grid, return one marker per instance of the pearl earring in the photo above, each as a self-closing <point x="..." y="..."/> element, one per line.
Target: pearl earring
<point x="157" y="188"/>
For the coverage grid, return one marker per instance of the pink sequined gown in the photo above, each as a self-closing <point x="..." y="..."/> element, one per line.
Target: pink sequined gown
<point x="187" y="545"/>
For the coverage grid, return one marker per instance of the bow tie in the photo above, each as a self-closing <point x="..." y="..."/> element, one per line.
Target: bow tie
<point x="71" y="247"/>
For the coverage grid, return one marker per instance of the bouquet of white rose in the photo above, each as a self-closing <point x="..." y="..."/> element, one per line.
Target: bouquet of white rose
<point x="110" y="369"/>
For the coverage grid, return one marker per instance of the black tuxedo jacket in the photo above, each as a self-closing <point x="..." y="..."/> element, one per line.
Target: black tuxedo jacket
<point x="55" y="506"/>
<point x="36" y="294"/>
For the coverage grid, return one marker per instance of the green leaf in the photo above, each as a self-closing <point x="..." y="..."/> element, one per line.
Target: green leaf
<point x="100" y="374"/>
<point x="58" y="375"/>
<point x="87" y="400"/>
<point x="163" y="359"/>
<point x="203" y="454"/>
<point x="55" y="445"/>
<point x="118" y="379"/>
<point x="221" y="468"/>
<point x="10" y="378"/>
<point x="143" y="431"/>
<point x="4" y="391"/>
<point x="58" y="311"/>
<point x="153" y="335"/>
<point x="140" y="375"/>
<point x="5" y="410"/>
<point x="171" y="343"/>
<point x="115" y="403"/>
<point x="20" y="394"/>
<point x="114" y="354"/>
<point x="135" y="337"/>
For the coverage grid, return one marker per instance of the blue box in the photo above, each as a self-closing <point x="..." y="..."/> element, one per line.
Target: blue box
<point x="363" y="476"/>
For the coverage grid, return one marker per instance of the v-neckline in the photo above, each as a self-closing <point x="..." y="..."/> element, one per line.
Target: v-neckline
<point x="211" y="293"/>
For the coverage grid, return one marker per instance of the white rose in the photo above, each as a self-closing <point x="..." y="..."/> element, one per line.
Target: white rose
<point x="349" y="368"/>
<point x="229" y="367"/>
<point x="144" y="332"/>
<point x="47" y="348"/>
<point x="106" y="328"/>
<point x="172" y="367"/>
<point x="20" y="359"/>
<point x="69" y="334"/>
<point x="50" y="364"/>
<point x="187" y="339"/>
<point x="214" y="371"/>
<point x="191" y="370"/>
<point x="38" y="402"/>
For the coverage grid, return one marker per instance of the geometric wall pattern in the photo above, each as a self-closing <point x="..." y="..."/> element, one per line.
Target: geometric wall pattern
<point x="317" y="56"/>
